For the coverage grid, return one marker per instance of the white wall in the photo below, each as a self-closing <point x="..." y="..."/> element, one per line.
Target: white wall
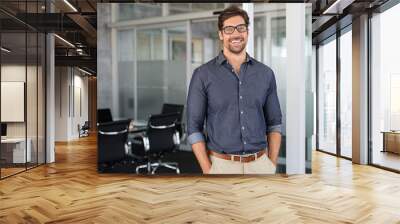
<point x="70" y="83"/>
<point x="61" y="103"/>
<point x="80" y="84"/>
<point x="17" y="73"/>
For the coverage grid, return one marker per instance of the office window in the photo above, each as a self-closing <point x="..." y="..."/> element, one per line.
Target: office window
<point x="327" y="96"/>
<point x="385" y="89"/>
<point x="346" y="94"/>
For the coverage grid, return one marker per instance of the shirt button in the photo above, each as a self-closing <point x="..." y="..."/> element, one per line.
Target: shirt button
<point x="240" y="83"/>
<point x="245" y="142"/>
<point x="241" y="112"/>
<point x="240" y="97"/>
<point x="242" y="127"/>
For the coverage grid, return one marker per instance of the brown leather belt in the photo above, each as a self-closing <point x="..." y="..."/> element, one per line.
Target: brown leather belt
<point x="240" y="158"/>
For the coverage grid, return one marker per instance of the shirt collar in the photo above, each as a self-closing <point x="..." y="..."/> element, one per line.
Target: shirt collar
<point x="221" y="58"/>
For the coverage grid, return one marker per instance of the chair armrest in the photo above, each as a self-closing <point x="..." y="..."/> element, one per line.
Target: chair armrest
<point x="162" y="126"/>
<point x="144" y="138"/>
<point x="176" y="138"/>
<point x="113" y="132"/>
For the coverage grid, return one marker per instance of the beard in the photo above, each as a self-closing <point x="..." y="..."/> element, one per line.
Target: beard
<point x="236" y="48"/>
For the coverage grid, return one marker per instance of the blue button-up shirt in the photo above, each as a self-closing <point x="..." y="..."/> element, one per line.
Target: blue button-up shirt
<point x="239" y="109"/>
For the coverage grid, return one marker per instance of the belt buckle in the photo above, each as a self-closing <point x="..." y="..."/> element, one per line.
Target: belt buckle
<point x="233" y="157"/>
<point x="240" y="157"/>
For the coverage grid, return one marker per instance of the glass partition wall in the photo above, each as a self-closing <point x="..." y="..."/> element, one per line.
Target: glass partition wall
<point x="22" y="106"/>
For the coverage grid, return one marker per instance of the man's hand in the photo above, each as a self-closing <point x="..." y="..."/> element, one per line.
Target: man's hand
<point x="274" y="144"/>
<point x="207" y="171"/>
<point x="199" y="150"/>
<point x="274" y="161"/>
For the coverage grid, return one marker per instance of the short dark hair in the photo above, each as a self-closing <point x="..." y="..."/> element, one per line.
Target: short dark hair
<point x="229" y="12"/>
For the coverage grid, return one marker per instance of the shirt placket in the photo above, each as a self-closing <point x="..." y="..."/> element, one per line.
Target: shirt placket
<point x="243" y="129"/>
<point x="241" y="106"/>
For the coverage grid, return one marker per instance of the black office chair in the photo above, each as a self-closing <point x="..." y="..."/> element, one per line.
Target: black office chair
<point x="112" y="143"/>
<point x="169" y="108"/>
<point x="104" y="115"/>
<point x="161" y="137"/>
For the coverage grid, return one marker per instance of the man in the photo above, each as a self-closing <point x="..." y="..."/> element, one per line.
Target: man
<point x="237" y="97"/>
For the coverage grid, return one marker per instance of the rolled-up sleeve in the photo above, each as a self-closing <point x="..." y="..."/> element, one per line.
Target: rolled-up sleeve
<point x="272" y="109"/>
<point x="196" y="108"/>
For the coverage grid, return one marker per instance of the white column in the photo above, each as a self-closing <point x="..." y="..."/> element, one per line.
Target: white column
<point x="249" y="8"/>
<point x="50" y="93"/>
<point x="135" y="75"/>
<point x="360" y="90"/>
<point x="165" y="50"/>
<point x="378" y="86"/>
<point x="114" y="65"/>
<point x="50" y="99"/>
<point x="295" y="89"/>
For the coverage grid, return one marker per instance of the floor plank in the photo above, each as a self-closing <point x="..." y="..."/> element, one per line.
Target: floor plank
<point x="71" y="191"/>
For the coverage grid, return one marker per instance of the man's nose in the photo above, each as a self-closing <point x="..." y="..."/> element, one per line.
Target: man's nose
<point x="236" y="32"/>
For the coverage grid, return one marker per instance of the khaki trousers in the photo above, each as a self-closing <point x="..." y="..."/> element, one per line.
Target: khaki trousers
<point x="262" y="165"/>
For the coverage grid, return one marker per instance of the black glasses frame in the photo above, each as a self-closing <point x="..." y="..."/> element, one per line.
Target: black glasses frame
<point x="235" y="28"/>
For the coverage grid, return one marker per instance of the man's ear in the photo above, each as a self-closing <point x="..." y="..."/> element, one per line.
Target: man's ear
<point x="220" y="35"/>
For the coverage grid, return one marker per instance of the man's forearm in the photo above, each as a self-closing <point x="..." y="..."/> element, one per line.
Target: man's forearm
<point x="274" y="144"/>
<point x="200" y="152"/>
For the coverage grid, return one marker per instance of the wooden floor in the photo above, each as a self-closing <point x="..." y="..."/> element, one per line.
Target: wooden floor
<point x="71" y="191"/>
<point x="387" y="159"/>
<point x="10" y="171"/>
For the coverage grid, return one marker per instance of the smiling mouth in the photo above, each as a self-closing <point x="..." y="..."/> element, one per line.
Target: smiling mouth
<point x="236" y="41"/>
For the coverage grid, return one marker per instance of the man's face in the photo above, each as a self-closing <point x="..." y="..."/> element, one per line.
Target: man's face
<point x="235" y="42"/>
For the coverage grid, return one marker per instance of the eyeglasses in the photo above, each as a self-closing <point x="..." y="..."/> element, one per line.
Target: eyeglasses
<point x="241" y="28"/>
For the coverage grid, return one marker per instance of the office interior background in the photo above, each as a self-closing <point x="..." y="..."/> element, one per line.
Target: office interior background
<point x="49" y="80"/>
<point x="155" y="50"/>
<point x="49" y="76"/>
